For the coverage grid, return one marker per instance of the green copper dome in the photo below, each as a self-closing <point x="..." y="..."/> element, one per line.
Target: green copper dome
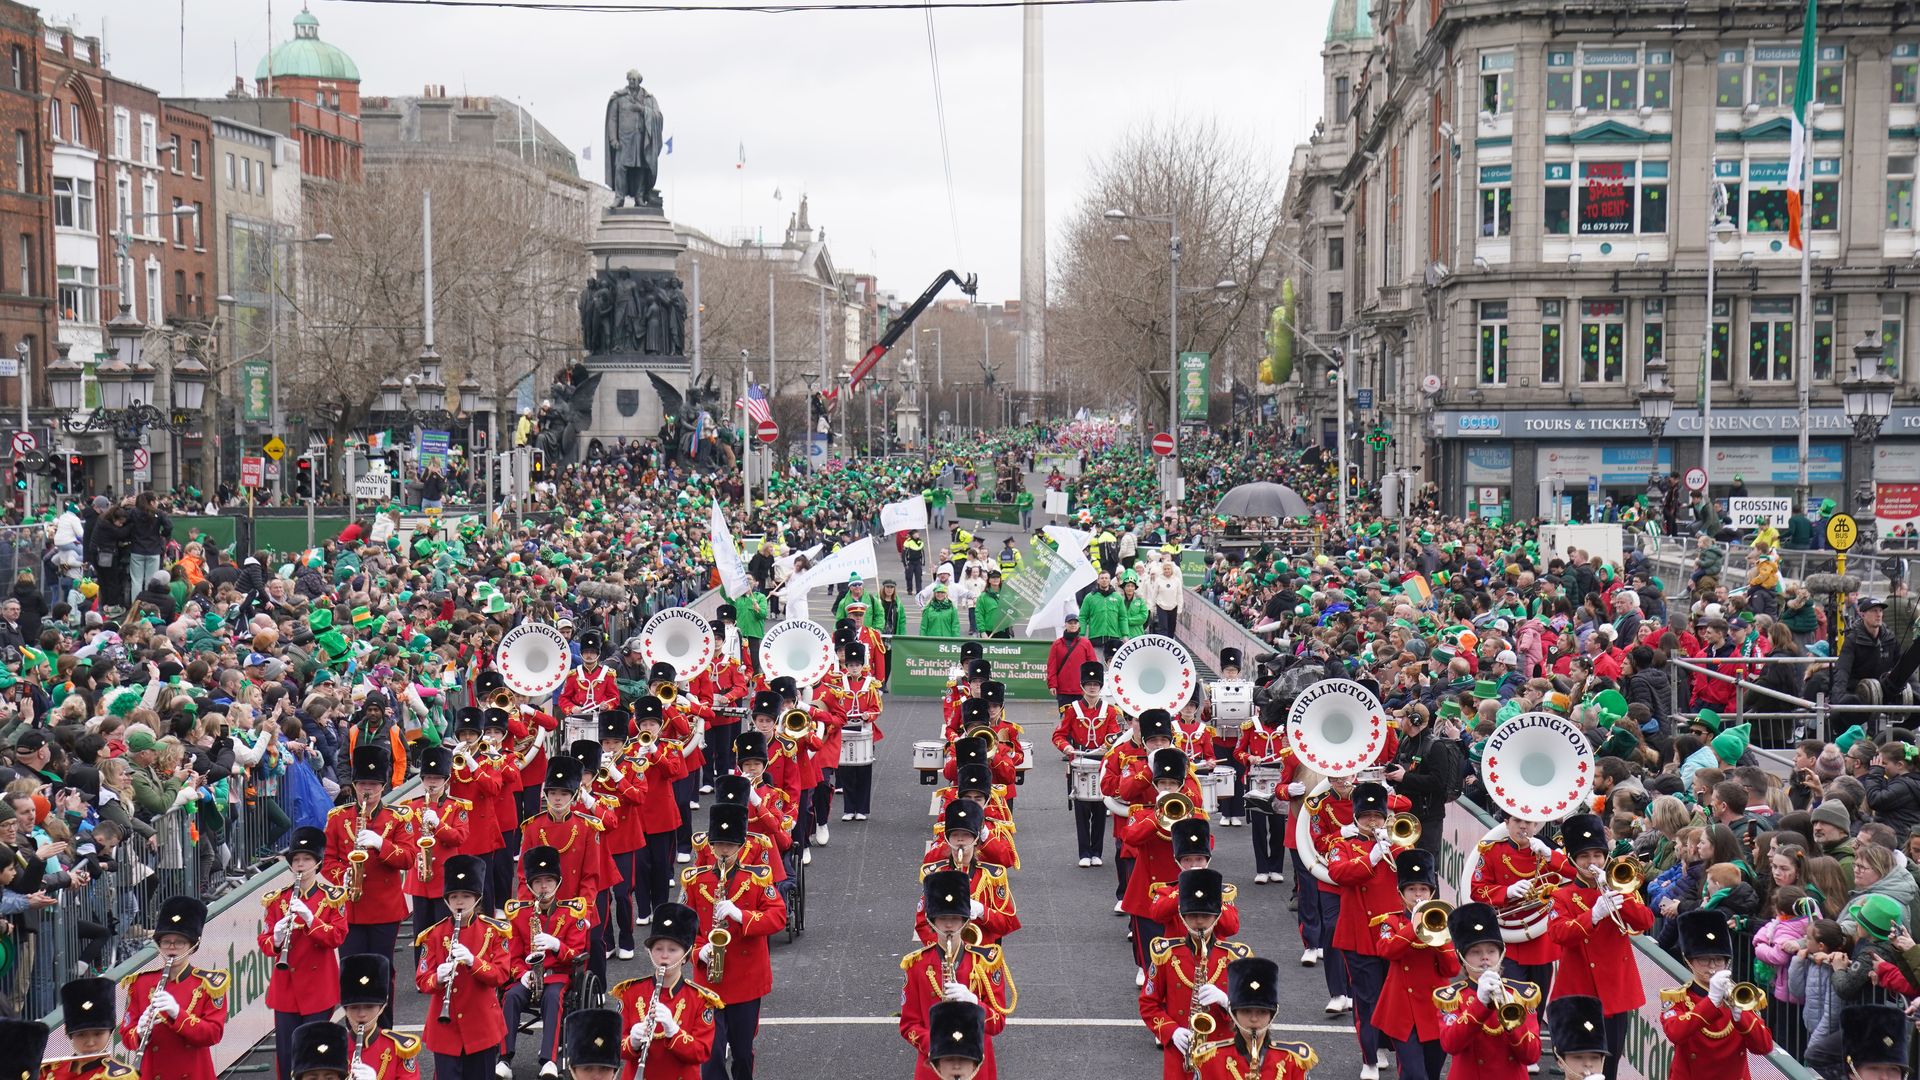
<point x="1350" y="20"/>
<point x="306" y="56"/>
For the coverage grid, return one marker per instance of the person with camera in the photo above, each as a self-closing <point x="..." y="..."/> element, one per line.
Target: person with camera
<point x="1428" y="768"/>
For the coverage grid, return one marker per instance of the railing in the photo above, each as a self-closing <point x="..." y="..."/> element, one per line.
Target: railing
<point x="1874" y="571"/>
<point x="1817" y="715"/>
<point x="20" y="548"/>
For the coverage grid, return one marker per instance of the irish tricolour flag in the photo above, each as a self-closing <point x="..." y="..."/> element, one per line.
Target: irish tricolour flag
<point x="1802" y="98"/>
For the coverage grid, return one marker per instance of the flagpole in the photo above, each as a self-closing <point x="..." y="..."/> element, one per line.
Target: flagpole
<point x="1809" y="51"/>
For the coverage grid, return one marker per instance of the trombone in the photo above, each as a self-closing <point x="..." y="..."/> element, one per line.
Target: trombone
<point x="1430" y="924"/>
<point x="796" y="723"/>
<point x="666" y="690"/>
<point x="1623" y="874"/>
<point x="1171" y="807"/>
<point x="1403" y="831"/>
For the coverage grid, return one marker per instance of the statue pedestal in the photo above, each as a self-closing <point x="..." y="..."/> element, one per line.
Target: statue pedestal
<point x="636" y="238"/>
<point x="640" y="241"/>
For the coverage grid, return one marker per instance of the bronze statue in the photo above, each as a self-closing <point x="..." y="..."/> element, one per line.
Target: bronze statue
<point x="633" y="143"/>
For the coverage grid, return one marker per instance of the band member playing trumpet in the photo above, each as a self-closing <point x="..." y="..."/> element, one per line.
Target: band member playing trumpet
<point x="738" y="909"/>
<point x="1360" y="863"/>
<point x="369" y="846"/>
<point x="1698" y="1018"/>
<point x="684" y="720"/>
<point x="995" y="842"/>
<point x="668" y="1018"/>
<point x="782" y="768"/>
<point x="1193" y="850"/>
<point x="86" y="1007"/>
<point x="974" y="673"/>
<point x="386" y="1055"/>
<point x="956" y="1040"/>
<point x="1487" y="1022"/>
<point x="953" y="967"/>
<point x="662" y="812"/>
<point x="763" y="827"/>
<point x="1117" y="769"/>
<point x="1593" y="924"/>
<point x="992" y="909"/>
<point x="807" y="747"/>
<point x="1518" y="870"/>
<point x="1248" y="1052"/>
<point x="1184" y="1001"/>
<point x="858" y="697"/>
<point x="1578" y="1026"/>
<point x="549" y="934"/>
<point x="478" y="777"/>
<point x="1088" y="727"/>
<point x="977" y="729"/>
<point x="1420" y="959"/>
<point x="726" y="687"/>
<point x="1327" y="814"/>
<point x="305" y="922"/>
<point x="442" y="824"/>
<point x="463" y="964"/>
<point x="176" y="1013"/>
<point x="496" y="732"/>
<point x="623" y="780"/>
<point x="1146" y="835"/>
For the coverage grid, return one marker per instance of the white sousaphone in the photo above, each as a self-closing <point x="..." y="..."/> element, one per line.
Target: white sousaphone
<point x="799" y="648"/>
<point x="1151" y="672"/>
<point x="678" y="636"/>
<point x="533" y="658"/>
<point x="1336" y="728"/>
<point x="1536" y="767"/>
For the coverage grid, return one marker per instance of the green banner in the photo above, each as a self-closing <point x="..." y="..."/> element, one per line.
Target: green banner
<point x="1196" y="373"/>
<point x="920" y="667"/>
<point x="256" y="392"/>
<point x="1193" y="566"/>
<point x="999" y="513"/>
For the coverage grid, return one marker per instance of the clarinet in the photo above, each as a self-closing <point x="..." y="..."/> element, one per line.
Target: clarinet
<point x="646" y="1023"/>
<point x="446" y="997"/>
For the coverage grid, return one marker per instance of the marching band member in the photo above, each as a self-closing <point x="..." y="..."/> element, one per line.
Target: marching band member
<point x="661" y="812"/>
<point x="86" y="1010"/>
<point x="1416" y="968"/>
<point x="725" y="687"/>
<point x="1145" y="834"/>
<point x="496" y="729"/>
<point x="1259" y="744"/>
<point x="684" y="720"/>
<point x="1005" y="735"/>
<point x="1328" y="814"/>
<point x="478" y="778"/>
<point x="782" y="768"/>
<point x="1187" y="984"/>
<point x="322" y="1050"/>
<point x="591" y="686"/>
<point x="1088" y="726"/>
<point x="667" y="1016"/>
<point x="974" y="673"/>
<point x="386" y="1055"/>
<point x="992" y="909"/>
<point x="1193" y="850"/>
<point x="741" y="901"/>
<point x="382" y="836"/>
<point x="1360" y="862"/>
<point x="463" y="964"/>
<point x="995" y="843"/>
<point x="764" y="822"/>
<point x="1699" y="1017"/>
<point x="1876" y="1040"/>
<point x="620" y="783"/>
<point x="442" y="825"/>
<point x="806" y="751"/>
<point x="948" y="969"/>
<point x="549" y="934"/>
<point x="1250" y="1053"/>
<point x="305" y="922"/>
<point x="1192" y="735"/>
<point x="1116" y="768"/>
<point x="585" y="866"/>
<point x="1578" y="1027"/>
<point x="769" y="807"/>
<point x="863" y="704"/>
<point x="1233" y="808"/>
<point x="176" y="1013"/>
<point x="956" y="1040"/>
<point x="594" y="1047"/>
<point x="1594" y="927"/>
<point x="1484" y="1044"/>
<point x="529" y="728"/>
<point x="1512" y="870"/>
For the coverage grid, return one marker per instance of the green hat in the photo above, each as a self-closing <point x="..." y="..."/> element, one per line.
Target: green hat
<point x="1731" y="743"/>
<point x="215" y="623"/>
<point x="320" y="619"/>
<point x="1450" y="708"/>
<point x="1877" y="914"/>
<point x="1708" y="719"/>
<point x="1486" y="688"/>
<point x="140" y="740"/>
<point x="1611" y="703"/>
<point x="1847" y="738"/>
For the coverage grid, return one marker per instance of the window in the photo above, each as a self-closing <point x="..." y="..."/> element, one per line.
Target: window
<point x="154" y="315"/>
<point x="1765" y="189"/>
<point x="231" y="177"/>
<point x="22" y="176"/>
<point x="320" y="98"/>
<point x="1825" y="212"/>
<point x="1493" y="343"/>
<point x="179" y="292"/>
<point x="17" y="58"/>
<point x="73" y="203"/>
<point x="79" y="133"/>
<point x="28" y="285"/>
<point x="1764" y="76"/>
<point x="1906" y="72"/>
<point x="122" y="134"/>
<point x="1603" y="338"/>
<point x="1730" y="82"/>
<point x="260" y="177"/>
<point x="1336" y="310"/>
<point x="1552" y="325"/>
<point x="1336" y="253"/>
<point x="246" y="175"/>
<point x="193" y="157"/>
<point x="1829" y="75"/>
<point x="200" y="294"/>
<point x="150" y="143"/>
<point x="1613" y="198"/>
<point x="79" y="294"/>
<point x="1559" y="200"/>
<point x="150" y="205"/>
<point x="1653" y="332"/>
<point x="1496" y="200"/>
<point x="1823" y="333"/>
<point x="1609" y="79"/>
<point x="179" y="226"/>
<point x="53" y="122"/>
<point x="1893" y="320"/>
<point x="123" y="204"/>
<point x="1722" y="339"/>
<point x="1342" y="98"/>
<point x="1900" y="191"/>
<point x="1770" y="341"/>
<point x="1496" y="83"/>
<point x="199" y="217"/>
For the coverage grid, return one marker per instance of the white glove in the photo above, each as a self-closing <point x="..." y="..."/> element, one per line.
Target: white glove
<point x="370" y="840"/>
<point x="1349" y="831"/>
<point x="727" y="909"/>
<point x="635" y="1033"/>
<point x="1489" y="982"/>
<point x="953" y="991"/>
<point x="164" y="1003"/>
<point x="1382" y="851"/>
<point x="1296" y="789"/>
<point x="547" y="943"/>
<point x="445" y="972"/>
<point x="1719" y="986"/>
<point x="663" y="1020"/>
<point x="1117" y="808"/>
<point x="976" y="909"/>
<point x="753" y="797"/>
<point x="299" y="910"/>
<point x="1209" y="994"/>
<point x="1539" y="847"/>
<point x="531" y="980"/>
<point x="363" y="1071"/>
<point x="1182" y="1039"/>
<point x="430" y="817"/>
<point x="460" y="954"/>
<point x="283" y="932"/>
<point x="1604" y="907"/>
<point x="1518" y="889"/>
<point x="706" y="953"/>
<point x="614" y="774"/>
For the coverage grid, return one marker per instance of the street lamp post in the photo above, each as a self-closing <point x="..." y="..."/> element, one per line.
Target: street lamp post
<point x="1868" y="396"/>
<point x="1173" y="310"/>
<point x="939" y="362"/>
<point x="1656" y="406"/>
<point x="126" y="382"/>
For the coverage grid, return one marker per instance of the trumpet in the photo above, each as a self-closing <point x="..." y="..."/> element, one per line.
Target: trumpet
<point x="1171" y="807"/>
<point x="1624" y="875"/>
<point x="795" y="723"/>
<point x="503" y="699"/>
<point x="666" y="691"/>
<point x="1430" y="923"/>
<point x="1747" y="996"/>
<point x="645" y="739"/>
<point x="1512" y="1013"/>
<point x="1403" y="831"/>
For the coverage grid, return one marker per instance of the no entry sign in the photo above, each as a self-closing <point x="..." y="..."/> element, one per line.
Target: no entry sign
<point x="768" y="431"/>
<point x="1163" y="444"/>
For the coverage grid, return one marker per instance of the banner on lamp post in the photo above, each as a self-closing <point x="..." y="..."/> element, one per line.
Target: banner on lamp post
<point x="1196" y="374"/>
<point x="256" y="392"/>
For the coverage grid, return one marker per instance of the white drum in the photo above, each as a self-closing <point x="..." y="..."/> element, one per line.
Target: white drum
<point x="1213" y="787"/>
<point x="856" y="745"/>
<point x="581" y="726"/>
<point x="1232" y="703"/>
<point x="1084" y="778"/>
<point x="1026" y="756"/>
<point x="1263" y="783"/>
<point x="928" y="756"/>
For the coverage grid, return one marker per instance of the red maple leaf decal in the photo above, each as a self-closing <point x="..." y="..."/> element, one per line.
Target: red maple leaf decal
<point x="1500" y="791"/>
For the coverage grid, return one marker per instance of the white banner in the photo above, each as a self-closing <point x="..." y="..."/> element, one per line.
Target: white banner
<point x="855" y="558"/>
<point x="905" y="515"/>
<point x="726" y="557"/>
<point x="1050" y="614"/>
<point x="1073" y="542"/>
<point x="1057" y="503"/>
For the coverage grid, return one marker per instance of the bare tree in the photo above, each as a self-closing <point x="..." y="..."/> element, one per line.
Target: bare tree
<point x="733" y="324"/>
<point x="1107" y="325"/>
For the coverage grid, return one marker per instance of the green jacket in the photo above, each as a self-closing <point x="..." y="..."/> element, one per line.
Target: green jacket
<point x="940" y="619"/>
<point x="153" y="794"/>
<point x="750" y="614"/>
<point x="840" y="606"/>
<point x="939" y="496"/>
<point x="877" y="616"/>
<point x="989" y="609"/>
<point x="1133" y="616"/>
<point x="1024" y="500"/>
<point x="1100" y="614"/>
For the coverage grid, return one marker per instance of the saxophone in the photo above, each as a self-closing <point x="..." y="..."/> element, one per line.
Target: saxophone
<point x="1199" y="1021"/>
<point x="720" y="938"/>
<point x="423" y="862"/>
<point x="357" y="858"/>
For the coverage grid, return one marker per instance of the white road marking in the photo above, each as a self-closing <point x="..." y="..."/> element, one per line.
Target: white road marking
<point x="1017" y="1021"/>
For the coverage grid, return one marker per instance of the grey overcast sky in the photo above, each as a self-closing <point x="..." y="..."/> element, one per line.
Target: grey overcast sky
<point x="836" y="104"/>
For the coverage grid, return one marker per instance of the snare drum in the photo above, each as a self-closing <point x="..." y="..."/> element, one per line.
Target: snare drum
<point x="582" y="727"/>
<point x="856" y="745"/>
<point x="1026" y="762"/>
<point x="1263" y="782"/>
<point x="928" y="756"/>
<point x="1213" y="786"/>
<point x="1084" y="776"/>
<point x="1232" y="703"/>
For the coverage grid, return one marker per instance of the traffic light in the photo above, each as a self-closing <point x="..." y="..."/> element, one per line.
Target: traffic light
<point x="68" y="474"/>
<point x="303" y="476"/>
<point x="393" y="462"/>
<point x="539" y="466"/>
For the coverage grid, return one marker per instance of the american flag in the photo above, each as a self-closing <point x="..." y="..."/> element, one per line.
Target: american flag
<point x="755" y="404"/>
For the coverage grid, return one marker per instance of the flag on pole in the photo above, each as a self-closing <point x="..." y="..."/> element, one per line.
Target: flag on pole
<point x="743" y="157"/>
<point x="755" y="403"/>
<point x="1802" y="98"/>
<point x="734" y="581"/>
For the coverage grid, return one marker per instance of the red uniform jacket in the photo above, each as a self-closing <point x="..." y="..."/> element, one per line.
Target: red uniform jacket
<point x="456" y="822"/>
<point x="1152" y="854"/>
<point x="310" y="982"/>
<point x="1597" y="960"/>
<point x="987" y="883"/>
<point x="534" y="772"/>
<point x="180" y="1047"/>
<point x="981" y="969"/>
<point x="998" y="811"/>
<point x="1003" y="760"/>
<point x="1083" y="728"/>
<point x="759" y="850"/>
<point x="862" y="700"/>
<point x="478" y="1023"/>
<point x="1414" y="972"/>
<point x="680" y="718"/>
<point x="586" y="687"/>
<point x="568" y="921"/>
<point x="1166" y="908"/>
<point x="660" y="811"/>
<point x="623" y="803"/>
<point x="677" y="1058"/>
<point x="1166" y="1001"/>
<point x="1471" y="1035"/>
<point x="1699" y="1031"/>
<point x="480" y="789"/>
<point x="1115" y="770"/>
<point x="1195" y="740"/>
<point x="1502" y="864"/>
<point x="748" y="972"/>
<point x="995" y="844"/>
<point x="391" y="1055"/>
<point x="99" y="1068"/>
<point x="1368" y="890"/>
<point x="1226" y="1059"/>
<point x="585" y="866"/>
<point x="382" y="895"/>
<point x="784" y="768"/>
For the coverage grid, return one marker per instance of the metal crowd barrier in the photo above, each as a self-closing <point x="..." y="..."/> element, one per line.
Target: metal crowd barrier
<point x="1816" y="717"/>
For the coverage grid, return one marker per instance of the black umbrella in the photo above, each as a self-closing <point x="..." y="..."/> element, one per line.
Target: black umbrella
<point x="1261" y="500"/>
